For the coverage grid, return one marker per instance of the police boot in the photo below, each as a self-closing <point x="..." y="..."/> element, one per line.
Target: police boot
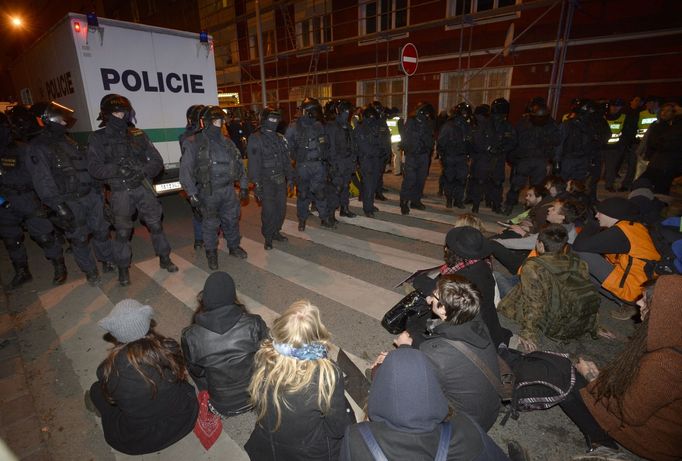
<point x="417" y="205"/>
<point x="212" y="259"/>
<point x="268" y="244"/>
<point x="440" y="190"/>
<point x="59" y="271"/>
<point x="448" y="202"/>
<point x="328" y="223"/>
<point x="475" y="207"/>
<point x="108" y="267"/>
<point x="458" y="204"/>
<point x="380" y="196"/>
<point x="93" y="277"/>
<point x="166" y="263"/>
<point x="123" y="276"/>
<point x="21" y="276"/>
<point x="198" y="244"/>
<point x="238" y="252"/>
<point x="496" y="208"/>
<point x="279" y="237"/>
<point x="301" y="225"/>
<point x="404" y="207"/>
<point x="345" y="212"/>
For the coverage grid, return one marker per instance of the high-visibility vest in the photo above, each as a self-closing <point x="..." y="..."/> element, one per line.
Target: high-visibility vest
<point x="628" y="274"/>
<point x="616" y="127"/>
<point x="646" y="118"/>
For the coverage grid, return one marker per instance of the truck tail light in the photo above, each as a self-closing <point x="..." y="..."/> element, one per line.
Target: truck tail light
<point x="77" y="27"/>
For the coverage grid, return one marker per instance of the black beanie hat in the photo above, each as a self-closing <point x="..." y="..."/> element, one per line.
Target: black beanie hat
<point x="218" y="291"/>
<point x="618" y="208"/>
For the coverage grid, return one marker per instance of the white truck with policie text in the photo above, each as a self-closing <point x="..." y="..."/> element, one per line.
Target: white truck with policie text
<point x="161" y="71"/>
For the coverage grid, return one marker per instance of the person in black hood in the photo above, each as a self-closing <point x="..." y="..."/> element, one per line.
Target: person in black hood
<point x="219" y="346"/>
<point x="407" y="411"/>
<point x="456" y="303"/>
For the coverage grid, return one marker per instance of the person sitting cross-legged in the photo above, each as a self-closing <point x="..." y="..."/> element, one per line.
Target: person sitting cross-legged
<point x="554" y="295"/>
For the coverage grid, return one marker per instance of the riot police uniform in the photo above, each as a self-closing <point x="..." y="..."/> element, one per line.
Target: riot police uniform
<point x="61" y="179"/>
<point x="573" y="155"/>
<point x="454" y="146"/>
<point x="270" y="170"/>
<point x="125" y="159"/>
<point x="417" y="140"/>
<point x="343" y="157"/>
<point x="371" y="151"/>
<point x="209" y="167"/>
<point x="538" y="136"/>
<point x="23" y="208"/>
<point x="600" y="133"/>
<point x="308" y="147"/>
<point x="192" y="127"/>
<point x="493" y="140"/>
<point x="386" y="147"/>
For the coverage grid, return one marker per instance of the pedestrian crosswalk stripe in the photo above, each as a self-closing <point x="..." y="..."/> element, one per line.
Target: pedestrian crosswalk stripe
<point x="385" y="207"/>
<point x="389" y="256"/>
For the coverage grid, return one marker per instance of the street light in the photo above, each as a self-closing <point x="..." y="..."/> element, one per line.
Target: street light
<point x="16" y="21"/>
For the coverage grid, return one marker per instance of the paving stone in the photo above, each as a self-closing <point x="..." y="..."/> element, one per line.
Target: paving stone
<point x="17" y="409"/>
<point x="12" y="387"/>
<point x="24" y="436"/>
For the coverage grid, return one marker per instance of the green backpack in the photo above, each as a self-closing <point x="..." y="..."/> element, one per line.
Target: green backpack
<point x="574" y="303"/>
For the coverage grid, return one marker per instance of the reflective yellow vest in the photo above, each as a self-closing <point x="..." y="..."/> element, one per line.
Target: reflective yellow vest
<point x="616" y="127"/>
<point x="646" y="118"/>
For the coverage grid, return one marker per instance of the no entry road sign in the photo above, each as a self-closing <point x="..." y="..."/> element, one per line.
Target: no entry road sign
<point x="408" y="59"/>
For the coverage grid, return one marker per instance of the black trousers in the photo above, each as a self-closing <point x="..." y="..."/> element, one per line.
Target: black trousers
<point x="274" y="208"/>
<point x="575" y="409"/>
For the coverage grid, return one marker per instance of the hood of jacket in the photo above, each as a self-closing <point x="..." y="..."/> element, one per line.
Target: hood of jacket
<point x="405" y="393"/>
<point x="665" y="315"/>
<point x="473" y="332"/>
<point x="221" y="319"/>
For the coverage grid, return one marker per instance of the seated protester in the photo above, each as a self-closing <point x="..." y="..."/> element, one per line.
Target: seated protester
<point x="537" y="302"/>
<point x="564" y="212"/>
<point x="556" y="186"/>
<point x="456" y="303"/>
<point x="406" y="410"/>
<point x="650" y="207"/>
<point x="636" y="400"/>
<point x="220" y="345"/>
<point x="142" y="393"/>
<point x="617" y="255"/>
<point x="538" y="201"/>
<point x="297" y="391"/>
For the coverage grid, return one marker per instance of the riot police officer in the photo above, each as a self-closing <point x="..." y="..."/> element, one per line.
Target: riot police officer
<point x="125" y="159"/>
<point x="371" y="151"/>
<point x="270" y="170"/>
<point x="417" y="140"/>
<point x="21" y="206"/>
<point x="386" y="148"/>
<point x="493" y="140"/>
<point x="454" y="147"/>
<point x="61" y="179"/>
<point x="538" y="136"/>
<point x="209" y="167"/>
<point x="239" y="131"/>
<point x="308" y="147"/>
<point x="192" y="116"/>
<point x="600" y="133"/>
<point x="343" y="157"/>
<point x="575" y="152"/>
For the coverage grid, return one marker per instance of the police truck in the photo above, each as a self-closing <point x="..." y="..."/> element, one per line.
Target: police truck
<point x="161" y="71"/>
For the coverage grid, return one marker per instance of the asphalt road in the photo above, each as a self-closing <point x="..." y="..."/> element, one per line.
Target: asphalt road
<point x="350" y="273"/>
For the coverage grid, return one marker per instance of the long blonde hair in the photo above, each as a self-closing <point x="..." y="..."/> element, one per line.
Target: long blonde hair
<point x="279" y="375"/>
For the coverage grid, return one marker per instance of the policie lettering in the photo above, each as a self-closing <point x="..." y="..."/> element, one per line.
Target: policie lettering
<point x="134" y="81"/>
<point x="59" y="86"/>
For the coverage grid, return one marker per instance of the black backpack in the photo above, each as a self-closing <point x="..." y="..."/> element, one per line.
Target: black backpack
<point x="663" y="238"/>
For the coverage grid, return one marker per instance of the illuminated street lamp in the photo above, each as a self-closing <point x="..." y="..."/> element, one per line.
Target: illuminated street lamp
<point x="16" y="21"/>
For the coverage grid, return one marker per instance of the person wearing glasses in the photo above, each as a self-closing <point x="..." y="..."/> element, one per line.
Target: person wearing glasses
<point x="456" y="305"/>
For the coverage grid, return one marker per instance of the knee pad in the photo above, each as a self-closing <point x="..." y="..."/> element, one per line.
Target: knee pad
<point x="45" y="240"/>
<point x="13" y="243"/>
<point x="123" y="235"/>
<point x="155" y="228"/>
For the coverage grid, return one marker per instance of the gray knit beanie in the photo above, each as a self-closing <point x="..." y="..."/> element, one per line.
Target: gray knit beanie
<point x="128" y="321"/>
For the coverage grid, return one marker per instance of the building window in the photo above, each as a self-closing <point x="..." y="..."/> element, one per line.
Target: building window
<point x="268" y="44"/>
<point x="460" y="7"/>
<point x="389" y="92"/>
<point x="476" y="86"/>
<point x="314" y="31"/>
<point x="322" y="93"/>
<point x="382" y="15"/>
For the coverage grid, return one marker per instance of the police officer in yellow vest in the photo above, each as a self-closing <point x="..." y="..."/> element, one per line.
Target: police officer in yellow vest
<point x="615" y="148"/>
<point x="617" y="256"/>
<point x="639" y="120"/>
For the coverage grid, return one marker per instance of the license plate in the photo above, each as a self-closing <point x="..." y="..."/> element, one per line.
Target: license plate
<point x="167" y="187"/>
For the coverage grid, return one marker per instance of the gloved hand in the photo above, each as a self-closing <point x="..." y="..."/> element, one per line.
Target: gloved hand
<point x="244" y="194"/>
<point x="258" y="192"/>
<point x="556" y="167"/>
<point x="64" y="217"/>
<point x="194" y="201"/>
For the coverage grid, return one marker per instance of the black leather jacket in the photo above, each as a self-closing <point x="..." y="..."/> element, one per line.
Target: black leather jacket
<point x="219" y="350"/>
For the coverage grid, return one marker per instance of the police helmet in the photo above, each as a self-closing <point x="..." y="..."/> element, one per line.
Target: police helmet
<point x="53" y="112"/>
<point x="463" y="109"/>
<point x="311" y="108"/>
<point x="425" y="110"/>
<point x="587" y="107"/>
<point x="114" y="103"/>
<point x="210" y="113"/>
<point x="24" y="123"/>
<point x="330" y="109"/>
<point x="539" y="110"/>
<point x="370" y="112"/>
<point x="270" y="114"/>
<point x="576" y="103"/>
<point x="617" y="102"/>
<point x="343" y="105"/>
<point x="483" y="109"/>
<point x="192" y="114"/>
<point x="379" y="107"/>
<point x="499" y="106"/>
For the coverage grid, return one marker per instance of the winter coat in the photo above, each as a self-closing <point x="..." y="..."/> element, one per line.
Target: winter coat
<point x="651" y="426"/>
<point x="219" y="350"/>
<point x="305" y="433"/>
<point x="465" y="386"/>
<point x="406" y="407"/>
<point x="141" y="422"/>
